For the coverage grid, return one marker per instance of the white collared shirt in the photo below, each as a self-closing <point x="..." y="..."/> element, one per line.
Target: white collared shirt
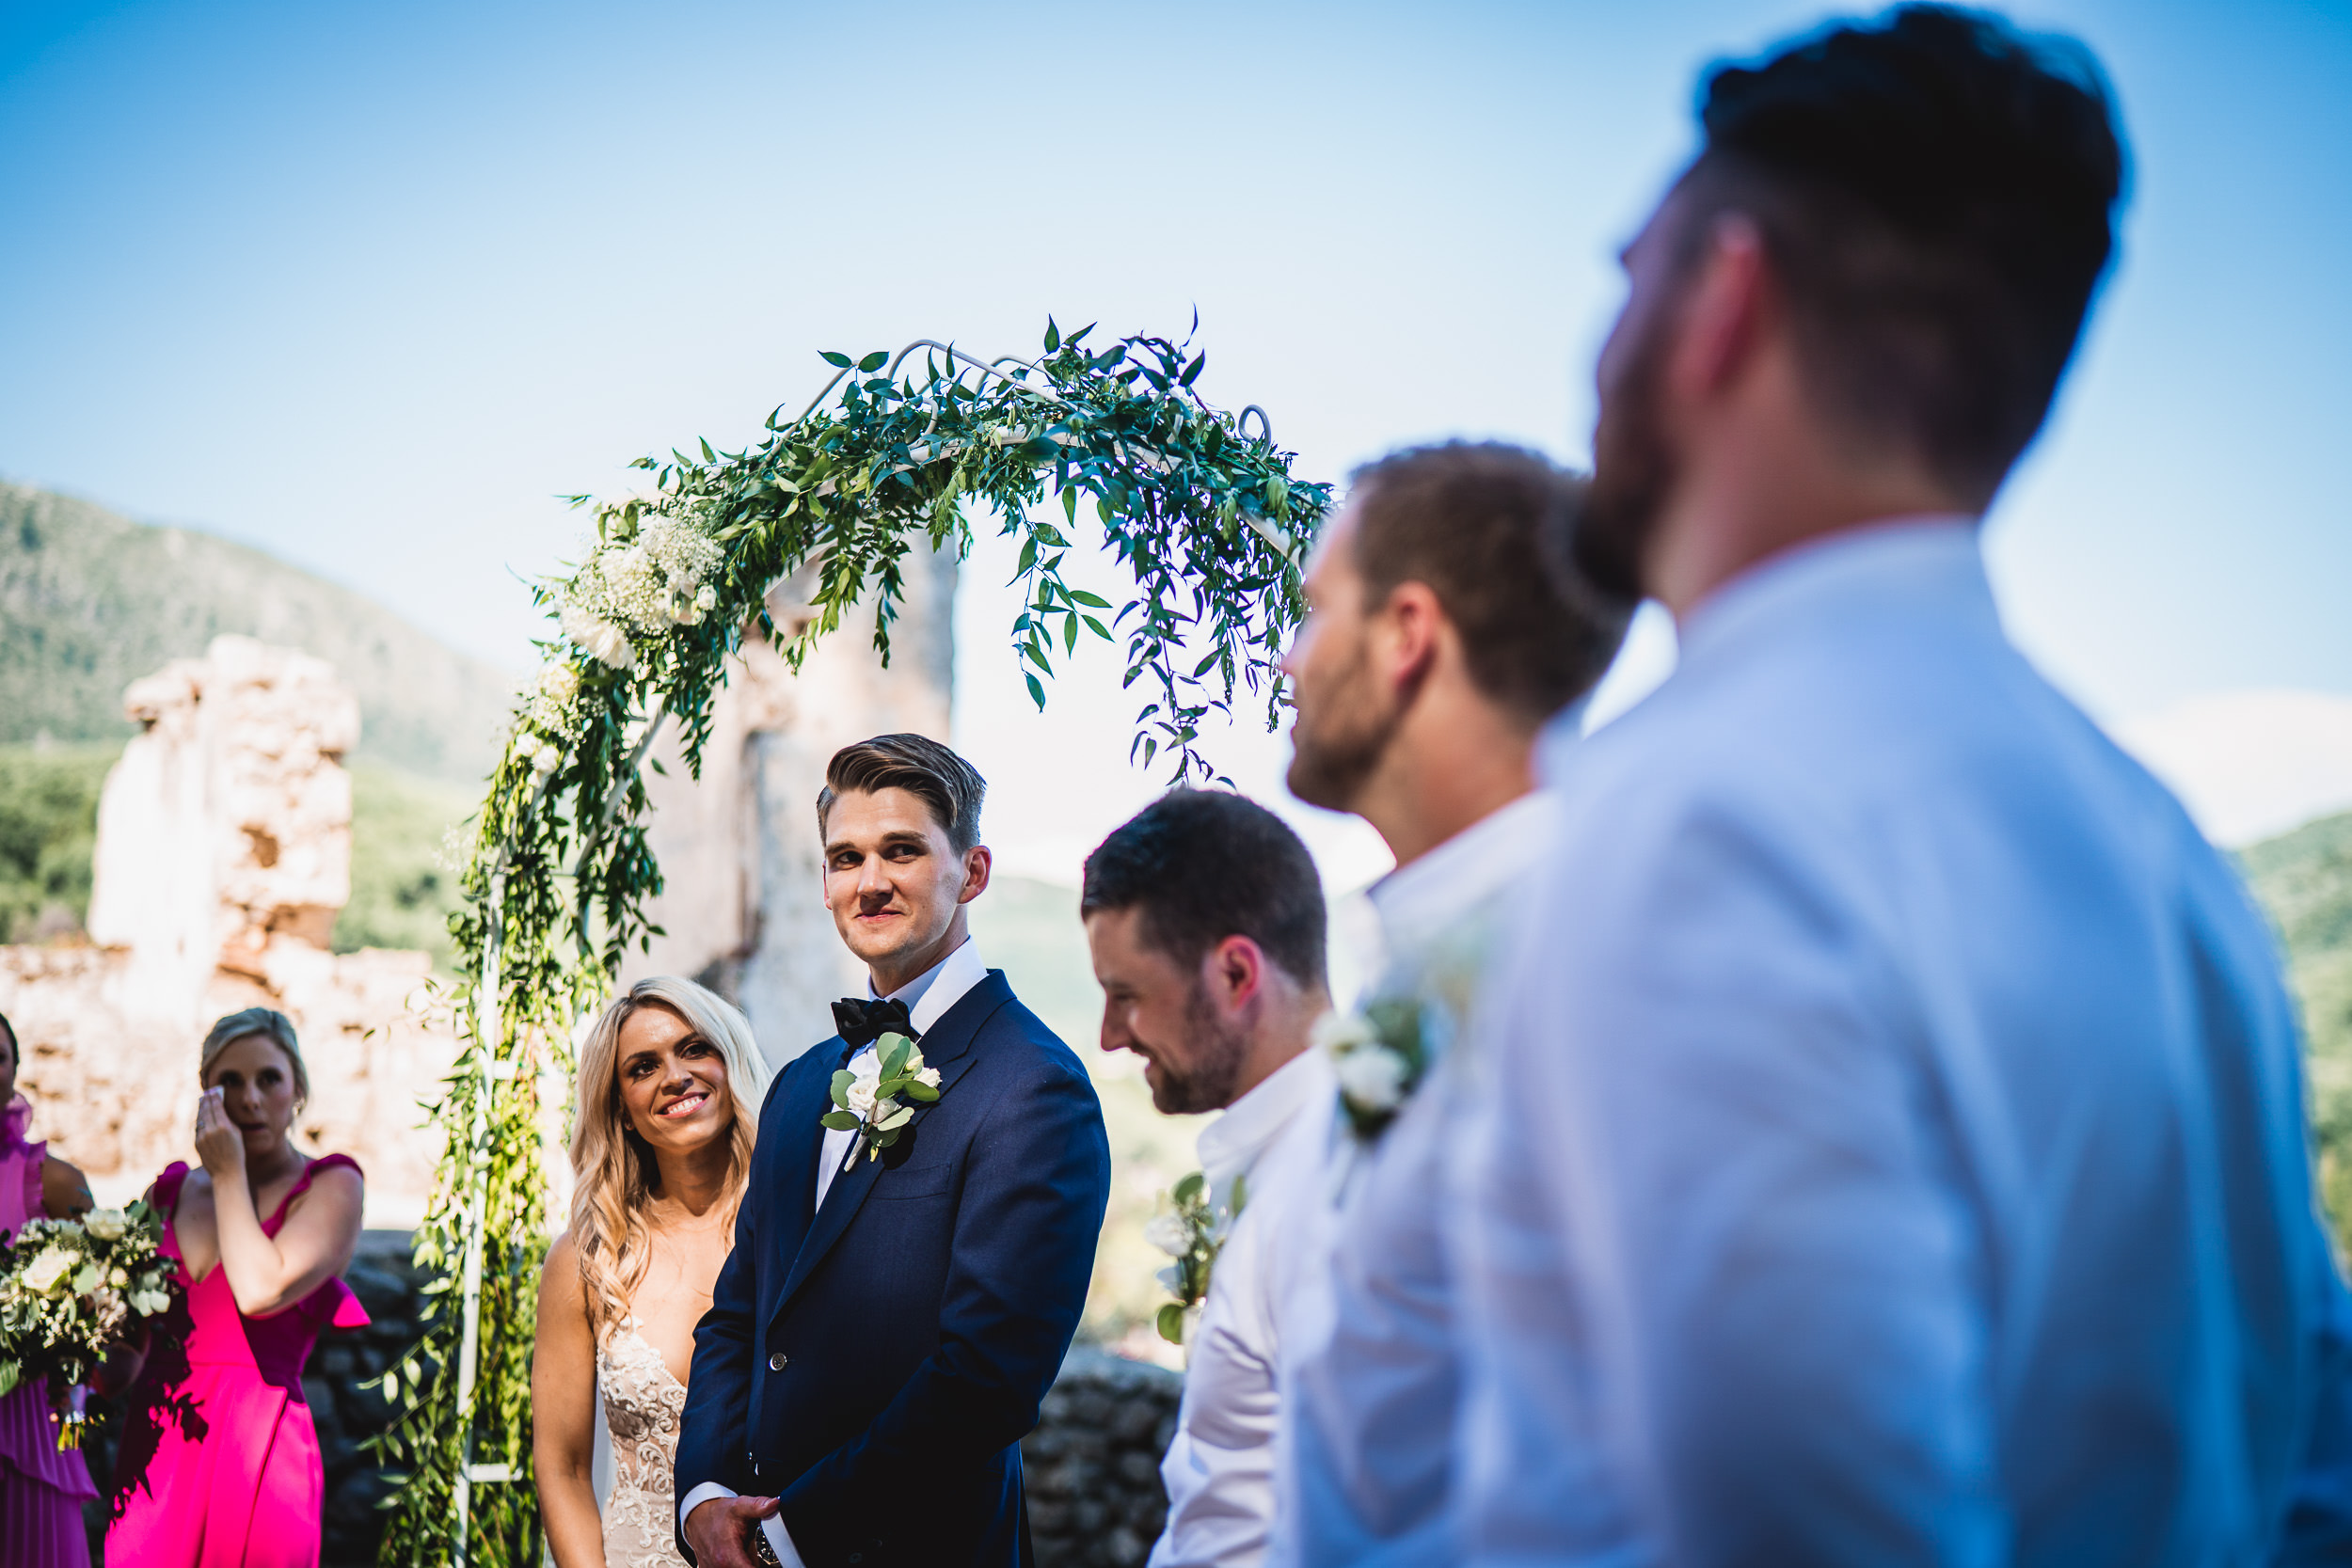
<point x="1219" y="1468"/>
<point x="1372" y="1378"/>
<point x="1888" y="1143"/>
<point x="927" y="997"/>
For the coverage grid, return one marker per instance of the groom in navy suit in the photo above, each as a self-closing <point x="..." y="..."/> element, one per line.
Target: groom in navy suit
<point x="890" y="1318"/>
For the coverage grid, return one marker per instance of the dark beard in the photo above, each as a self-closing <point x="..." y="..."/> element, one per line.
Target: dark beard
<point x="1216" y="1058"/>
<point x="1330" y="761"/>
<point x="1633" y="471"/>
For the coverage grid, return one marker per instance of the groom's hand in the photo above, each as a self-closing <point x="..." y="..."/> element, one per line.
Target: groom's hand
<point x="719" y="1531"/>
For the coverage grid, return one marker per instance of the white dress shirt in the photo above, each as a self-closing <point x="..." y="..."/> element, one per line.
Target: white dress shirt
<point x="1886" y="1144"/>
<point x="1219" y="1468"/>
<point x="1367" y="1449"/>
<point x="927" y="997"/>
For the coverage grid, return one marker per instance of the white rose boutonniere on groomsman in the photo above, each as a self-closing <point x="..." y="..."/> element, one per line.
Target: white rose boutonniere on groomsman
<point x="1379" y="1055"/>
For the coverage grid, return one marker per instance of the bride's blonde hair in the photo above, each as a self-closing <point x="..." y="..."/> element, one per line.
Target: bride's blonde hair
<point x="612" y="1168"/>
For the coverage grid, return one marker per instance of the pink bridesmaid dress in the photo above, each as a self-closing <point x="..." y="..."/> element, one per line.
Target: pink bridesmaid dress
<point x="227" y="1473"/>
<point x="41" y="1491"/>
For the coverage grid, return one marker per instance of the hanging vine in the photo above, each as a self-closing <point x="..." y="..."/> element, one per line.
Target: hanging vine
<point x="894" y="454"/>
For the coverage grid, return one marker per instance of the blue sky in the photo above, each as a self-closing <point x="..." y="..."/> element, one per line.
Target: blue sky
<point x="370" y="286"/>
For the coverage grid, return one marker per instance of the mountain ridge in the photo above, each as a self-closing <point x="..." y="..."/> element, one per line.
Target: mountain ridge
<point x="90" y="600"/>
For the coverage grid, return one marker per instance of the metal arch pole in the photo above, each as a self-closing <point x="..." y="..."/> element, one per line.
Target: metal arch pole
<point x="486" y="1035"/>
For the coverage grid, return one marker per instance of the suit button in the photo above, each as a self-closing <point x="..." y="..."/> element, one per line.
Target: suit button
<point x="775" y="1362"/>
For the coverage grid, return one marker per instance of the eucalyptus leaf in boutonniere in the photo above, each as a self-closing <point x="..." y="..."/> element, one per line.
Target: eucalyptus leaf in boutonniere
<point x="1192" y="1230"/>
<point x="1380" y="1054"/>
<point x="866" y="1093"/>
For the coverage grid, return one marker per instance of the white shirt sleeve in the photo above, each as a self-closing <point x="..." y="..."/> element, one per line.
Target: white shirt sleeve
<point x="779" y="1539"/>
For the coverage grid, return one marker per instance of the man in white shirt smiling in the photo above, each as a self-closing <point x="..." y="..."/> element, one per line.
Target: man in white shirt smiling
<point x="1443" y="636"/>
<point x="1205" y="918"/>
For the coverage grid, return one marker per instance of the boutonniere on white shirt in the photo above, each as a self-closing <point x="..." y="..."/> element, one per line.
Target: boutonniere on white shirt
<point x="1192" y="1230"/>
<point x="866" y="1093"/>
<point x="1380" y="1054"/>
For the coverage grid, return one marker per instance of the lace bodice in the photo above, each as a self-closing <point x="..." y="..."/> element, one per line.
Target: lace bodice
<point x="641" y="1404"/>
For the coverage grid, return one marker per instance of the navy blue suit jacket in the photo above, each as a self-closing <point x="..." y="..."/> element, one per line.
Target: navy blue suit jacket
<point x="876" y="1365"/>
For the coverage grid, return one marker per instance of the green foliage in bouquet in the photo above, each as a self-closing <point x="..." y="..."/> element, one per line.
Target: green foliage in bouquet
<point x="896" y="454"/>
<point x="72" y="1292"/>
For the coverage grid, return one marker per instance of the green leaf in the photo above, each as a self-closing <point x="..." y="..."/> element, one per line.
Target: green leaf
<point x="830" y="358"/>
<point x="1192" y="371"/>
<point x="841" y="1082"/>
<point x="1028" y="555"/>
<point x="895" y="1119"/>
<point x="1094" y="601"/>
<point x="895" y="1049"/>
<point x="840" y="1121"/>
<point x="1172" y="1324"/>
<point x="917" y="1090"/>
<point x="873" y="361"/>
<point x="1053" y="335"/>
<point x="1189" y="1189"/>
<point x="709" y="456"/>
<point x="1036" y="692"/>
<point x="1100" y="629"/>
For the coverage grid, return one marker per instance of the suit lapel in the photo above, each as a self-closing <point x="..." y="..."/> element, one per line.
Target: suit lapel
<point x="948" y="1046"/>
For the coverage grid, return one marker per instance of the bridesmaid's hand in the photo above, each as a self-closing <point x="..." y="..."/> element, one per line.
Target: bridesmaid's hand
<point x="218" y="1143"/>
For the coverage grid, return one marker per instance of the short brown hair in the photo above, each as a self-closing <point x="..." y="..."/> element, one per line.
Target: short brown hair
<point x="270" y="1025"/>
<point x="1483" y="524"/>
<point x="1204" y="864"/>
<point x="950" y="787"/>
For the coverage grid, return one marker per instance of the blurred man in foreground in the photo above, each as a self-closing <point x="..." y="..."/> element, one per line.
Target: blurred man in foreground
<point x="1442" y="639"/>
<point x="1889" y="1144"/>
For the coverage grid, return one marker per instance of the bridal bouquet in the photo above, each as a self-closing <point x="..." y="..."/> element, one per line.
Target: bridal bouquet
<point x="70" y="1292"/>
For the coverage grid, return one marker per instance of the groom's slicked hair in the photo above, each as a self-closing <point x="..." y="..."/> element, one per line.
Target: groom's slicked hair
<point x="950" y="787"/>
<point x="1204" y="864"/>
<point x="1935" y="191"/>
<point x="1485" y="525"/>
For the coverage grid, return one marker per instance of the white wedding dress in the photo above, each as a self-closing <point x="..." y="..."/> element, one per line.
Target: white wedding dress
<point x="643" y="1403"/>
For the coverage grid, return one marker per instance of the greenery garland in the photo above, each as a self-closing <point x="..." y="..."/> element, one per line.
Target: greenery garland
<point x="1201" y="510"/>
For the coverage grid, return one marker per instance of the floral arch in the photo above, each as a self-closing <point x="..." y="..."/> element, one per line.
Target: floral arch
<point x="894" y="451"/>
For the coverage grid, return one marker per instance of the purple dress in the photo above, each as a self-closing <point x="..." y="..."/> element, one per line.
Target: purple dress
<point x="41" y="1491"/>
<point x="231" y="1477"/>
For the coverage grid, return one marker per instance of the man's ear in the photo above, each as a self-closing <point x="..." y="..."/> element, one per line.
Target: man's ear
<point x="1234" y="971"/>
<point x="1409" y="626"/>
<point x="978" y="864"/>
<point x="1727" y="308"/>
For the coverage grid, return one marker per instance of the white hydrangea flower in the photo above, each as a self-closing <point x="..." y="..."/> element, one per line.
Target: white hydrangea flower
<point x="107" y="1224"/>
<point x="119" y="1279"/>
<point x="43" y="1272"/>
<point x="1170" y="1233"/>
<point x="555" y="698"/>
<point x="547" y="759"/>
<point x="599" y="637"/>
<point x="1372" y="1077"/>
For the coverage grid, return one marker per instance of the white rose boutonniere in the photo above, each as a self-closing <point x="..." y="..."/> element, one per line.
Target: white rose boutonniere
<point x="866" y="1094"/>
<point x="1379" y="1055"/>
<point x="1192" y="1230"/>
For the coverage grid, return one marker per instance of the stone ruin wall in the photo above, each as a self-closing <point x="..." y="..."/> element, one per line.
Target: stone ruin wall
<point x="224" y="854"/>
<point x="743" y="902"/>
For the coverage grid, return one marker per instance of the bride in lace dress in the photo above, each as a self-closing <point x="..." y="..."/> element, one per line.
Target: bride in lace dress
<point x="670" y="1085"/>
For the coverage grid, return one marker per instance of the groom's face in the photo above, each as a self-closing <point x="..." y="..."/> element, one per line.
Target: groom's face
<point x="893" y="877"/>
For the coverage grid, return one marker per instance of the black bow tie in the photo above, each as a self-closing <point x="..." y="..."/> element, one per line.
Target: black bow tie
<point x="862" y="1022"/>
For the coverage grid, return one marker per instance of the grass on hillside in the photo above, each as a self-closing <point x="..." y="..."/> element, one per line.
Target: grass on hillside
<point x="402" y="896"/>
<point x="48" y="832"/>
<point x="2304" y="882"/>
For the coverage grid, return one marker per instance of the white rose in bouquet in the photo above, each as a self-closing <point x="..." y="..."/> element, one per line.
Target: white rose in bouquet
<point x="107" y="1224"/>
<point x="147" y="1303"/>
<point x="45" y="1272"/>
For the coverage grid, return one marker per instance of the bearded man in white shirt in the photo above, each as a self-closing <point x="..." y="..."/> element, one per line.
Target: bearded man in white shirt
<point x="1889" y="1140"/>
<point x="1444" y="634"/>
<point x="1205" y="917"/>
